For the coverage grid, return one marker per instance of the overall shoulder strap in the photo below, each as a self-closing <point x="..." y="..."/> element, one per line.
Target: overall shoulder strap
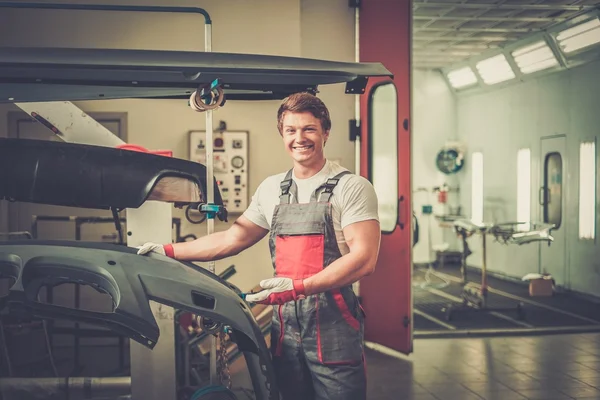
<point x="288" y="189"/>
<point x="325" y="191"/>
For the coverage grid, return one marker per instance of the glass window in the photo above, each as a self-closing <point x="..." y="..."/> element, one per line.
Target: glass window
<point x="553" y="189"/>
<point x="383" y="152"/>
<point x="587" y="190"/>
<point x="524" y="188"/>
<point x="477" y="188"/>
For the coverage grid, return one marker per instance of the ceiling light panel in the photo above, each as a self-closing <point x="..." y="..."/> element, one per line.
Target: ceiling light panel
<point x="579" y="36"/>
<point x="463" y="77"/>
<point x="535" y="57"/>
<point x="495" y="70"/>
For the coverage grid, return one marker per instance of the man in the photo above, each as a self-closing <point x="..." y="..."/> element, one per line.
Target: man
<point x="324" y="236"/>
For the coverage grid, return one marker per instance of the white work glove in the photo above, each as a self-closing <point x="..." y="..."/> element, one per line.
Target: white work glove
<point x="149" y="247"/>
<point x="278" y="291"/>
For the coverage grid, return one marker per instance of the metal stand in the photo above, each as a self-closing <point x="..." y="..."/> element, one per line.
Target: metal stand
<point x="206" y="99"/>
<point x="475" y="297"/>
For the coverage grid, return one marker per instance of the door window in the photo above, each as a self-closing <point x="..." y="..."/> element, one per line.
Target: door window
<point x="383" y="152"/>
<point x="553" y="189"/>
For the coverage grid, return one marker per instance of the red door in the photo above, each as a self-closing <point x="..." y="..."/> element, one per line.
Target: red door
<point x="385" y="36"/>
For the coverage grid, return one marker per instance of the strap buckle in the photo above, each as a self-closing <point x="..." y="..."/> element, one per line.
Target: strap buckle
<point x="285" y="186"/>
<point x="330" y="185"/>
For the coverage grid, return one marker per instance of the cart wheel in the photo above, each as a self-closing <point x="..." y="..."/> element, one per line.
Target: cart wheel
<point x="520" y="312"/>
<point x="218" y="396"/>
<point x="214" y="393"/>
<point x="449" y="312"/>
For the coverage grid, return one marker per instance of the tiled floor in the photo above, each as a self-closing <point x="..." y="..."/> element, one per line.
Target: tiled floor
<point x="510" y="368"/>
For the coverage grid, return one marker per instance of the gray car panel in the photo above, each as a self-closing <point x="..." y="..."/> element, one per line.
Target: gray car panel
<point x="132" y="281"/>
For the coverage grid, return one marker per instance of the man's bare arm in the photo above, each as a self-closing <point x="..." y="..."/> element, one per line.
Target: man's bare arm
<point x="363" y="240"/>
<point x="241" y="235"/>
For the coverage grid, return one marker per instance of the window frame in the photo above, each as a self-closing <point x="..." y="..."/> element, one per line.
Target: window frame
<point x="370" y="157"/>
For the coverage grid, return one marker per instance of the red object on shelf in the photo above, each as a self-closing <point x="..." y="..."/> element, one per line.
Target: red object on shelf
<point x="135" y="147"/>
<point x="442" y="196"/>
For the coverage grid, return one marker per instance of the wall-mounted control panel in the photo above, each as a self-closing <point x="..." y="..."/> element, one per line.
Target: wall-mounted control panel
<point x="230" y="154"/>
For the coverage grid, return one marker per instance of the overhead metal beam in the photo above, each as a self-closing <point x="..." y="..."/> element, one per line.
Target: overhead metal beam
<point x="490" y="19"/>
<point x="451" y="38"/>
<point x="483" y="30"/>
<point x="426" y="66"/>
<point x="444" y="53"/>
<point x="437" y="63"/>
<point x="438" y="59"/>
<point x="447" y="50"/>
<point x="466" y="47"/>
<point x="536" y="7"/>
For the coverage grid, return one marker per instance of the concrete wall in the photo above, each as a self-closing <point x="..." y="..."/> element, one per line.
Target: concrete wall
<point x="434" y="124"/>
<point x="498" y="123"/>
<point x="276" y="27"/>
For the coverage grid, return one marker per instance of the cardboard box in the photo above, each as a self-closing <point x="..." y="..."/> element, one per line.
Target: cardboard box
<point x="541" y="287"/>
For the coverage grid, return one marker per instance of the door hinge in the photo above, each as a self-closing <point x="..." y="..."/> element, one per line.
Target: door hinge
<point x="406" y="322"/>
<point x="354" y="130"/>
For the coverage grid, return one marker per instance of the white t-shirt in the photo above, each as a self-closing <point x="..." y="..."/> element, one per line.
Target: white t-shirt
<point x="354" y="199"/>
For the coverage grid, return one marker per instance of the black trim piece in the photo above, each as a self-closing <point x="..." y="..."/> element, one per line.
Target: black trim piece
<point x="53" y="74"/>
<point x="86" y="176"/>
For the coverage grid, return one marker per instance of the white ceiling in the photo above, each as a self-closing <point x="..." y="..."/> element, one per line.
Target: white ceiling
<point x="449" y="31"/>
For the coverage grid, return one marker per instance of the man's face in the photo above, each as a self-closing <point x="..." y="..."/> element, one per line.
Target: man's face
<point x="304" y="138"/>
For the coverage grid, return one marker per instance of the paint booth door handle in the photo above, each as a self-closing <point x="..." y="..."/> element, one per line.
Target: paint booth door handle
<point x="544" y="196"/>
<point x="402" y="213"/>
<point x="415" y="231"/>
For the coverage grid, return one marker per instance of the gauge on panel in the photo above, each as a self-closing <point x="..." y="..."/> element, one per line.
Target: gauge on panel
<point x="237" y="162"/>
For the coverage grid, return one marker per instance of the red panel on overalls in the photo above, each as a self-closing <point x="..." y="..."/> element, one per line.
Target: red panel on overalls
<point x="321" y="337"/>
<point x="299" y="257"/>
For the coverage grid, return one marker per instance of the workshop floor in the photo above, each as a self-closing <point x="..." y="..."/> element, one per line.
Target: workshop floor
<point x="433" y="292"/>
<point x="553" y="367"/>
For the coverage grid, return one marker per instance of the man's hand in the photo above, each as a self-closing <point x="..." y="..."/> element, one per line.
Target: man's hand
<point x="148" y="247"/>
<point x="278" y="291"/>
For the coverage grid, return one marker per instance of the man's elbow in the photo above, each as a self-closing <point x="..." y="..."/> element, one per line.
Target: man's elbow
<point x="369" y="266"/>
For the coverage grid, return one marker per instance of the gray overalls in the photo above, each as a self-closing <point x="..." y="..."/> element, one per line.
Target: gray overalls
<point x="317" y="342"/>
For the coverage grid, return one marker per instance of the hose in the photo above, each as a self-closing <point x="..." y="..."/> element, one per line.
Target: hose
<point x="197" y="103"/>
<point x="189" y="218"/>
<point x="49" y="346"/>
<point x="214" y="392"/>
<point x="5" y="350"/>
<point x="429" y="284"/>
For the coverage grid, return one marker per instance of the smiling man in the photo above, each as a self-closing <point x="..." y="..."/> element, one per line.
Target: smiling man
<point x="324" y="236"/>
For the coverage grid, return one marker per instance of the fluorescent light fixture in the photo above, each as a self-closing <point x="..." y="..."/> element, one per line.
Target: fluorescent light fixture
<point x="579" y="36"/>
<point x="477" y="188"/>
<point x="495" y="70"/>
<point x="462" y="77"/>
<point x="587" y="190"/>
<point x="535" y="57"/>
<point x="524" y="188"/>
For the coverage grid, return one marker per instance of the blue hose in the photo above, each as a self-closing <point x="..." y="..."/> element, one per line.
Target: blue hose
<point x="209" y="389"/>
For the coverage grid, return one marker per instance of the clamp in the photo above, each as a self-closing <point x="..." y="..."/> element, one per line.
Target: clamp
<point x="214" y="210"/>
